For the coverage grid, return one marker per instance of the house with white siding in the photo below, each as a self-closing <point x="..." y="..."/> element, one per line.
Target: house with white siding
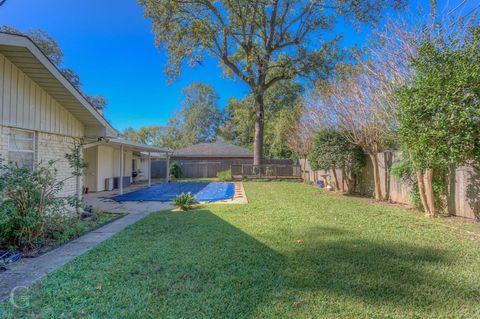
<point x="42" y="115"/>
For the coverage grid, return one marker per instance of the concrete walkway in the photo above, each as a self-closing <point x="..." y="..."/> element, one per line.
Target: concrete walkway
<point x="28" y="271"/>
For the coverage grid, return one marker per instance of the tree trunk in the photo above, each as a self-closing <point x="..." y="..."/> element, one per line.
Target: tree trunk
<point x="335" y="178"/>
<point x="451" y="190"/>
<point x="343" y="180"/>
<point x="350" y="179"/>
<point x="421" y="191"/>
<point x="428" y="179"/>
<point x="376" y="176"/>
<point x="303" y="169"/>
<point x="258" y="141"/>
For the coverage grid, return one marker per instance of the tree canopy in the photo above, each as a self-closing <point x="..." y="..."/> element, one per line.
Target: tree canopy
<point x="260" y="42"/>
<point x="198" y="120"/>
<point x="439" y="109"/>
<point x="281" y="102"/>
<point x="151" y="135"/>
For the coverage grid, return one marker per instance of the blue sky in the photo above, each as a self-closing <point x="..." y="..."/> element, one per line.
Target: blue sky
<point x="112" y="48"/>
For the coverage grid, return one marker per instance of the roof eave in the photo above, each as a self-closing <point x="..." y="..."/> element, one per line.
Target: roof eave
<point x="13" y="41"/>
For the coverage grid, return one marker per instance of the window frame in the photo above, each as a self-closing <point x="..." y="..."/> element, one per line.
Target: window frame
<point x="33" y="151"/>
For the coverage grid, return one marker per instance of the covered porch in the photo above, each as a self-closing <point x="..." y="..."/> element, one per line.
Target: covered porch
<point x="115" y="164"/>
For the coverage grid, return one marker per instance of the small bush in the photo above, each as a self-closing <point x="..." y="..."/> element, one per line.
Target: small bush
<point x="224" y="176"/>
<point x="175" y="170"/>
<point x="184" y="201"/>
<point x="28" y="204"/>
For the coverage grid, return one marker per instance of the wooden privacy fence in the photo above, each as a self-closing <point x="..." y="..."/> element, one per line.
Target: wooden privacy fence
<point x="209" y="168"/>
<point x="464" y="184"/>
<point x="203" y="169"/>
<point x="267" y="171"/>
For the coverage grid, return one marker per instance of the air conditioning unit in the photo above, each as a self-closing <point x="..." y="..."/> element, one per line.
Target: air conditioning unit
<point x="109" y="184"/>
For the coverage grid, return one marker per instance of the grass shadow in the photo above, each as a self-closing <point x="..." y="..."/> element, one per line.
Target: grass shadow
<point x="198" y="265"/>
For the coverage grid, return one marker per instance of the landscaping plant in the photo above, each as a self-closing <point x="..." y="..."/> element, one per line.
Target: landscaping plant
<point x="28" y="203"/>
<point x="78" y="166"/>
<point x="331" y="151"/>
<point x="184" y="201"/>
<point x="225" y="176"/>
<point x="405" y="171"/>
<point x="439" y="110"/>
<point x="175" y="170"/>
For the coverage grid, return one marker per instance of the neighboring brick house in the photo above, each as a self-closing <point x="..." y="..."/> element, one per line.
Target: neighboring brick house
<point x="212" y="152"/>
<point x="42" y="115"/>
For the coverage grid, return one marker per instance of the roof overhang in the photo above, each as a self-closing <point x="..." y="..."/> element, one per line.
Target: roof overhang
<point x="229" y="156"/>
<point x="21" y="51"/>
<point x="129" y="145"/>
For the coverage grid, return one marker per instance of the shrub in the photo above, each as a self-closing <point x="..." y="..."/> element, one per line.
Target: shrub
<point x="331" y="150"/>
<point x="184" y="201"/>
<point x="175" y="170"/>
<point x="405" y="171"/>
<point x="224" y="176"/>
<point x="28" y="204"/>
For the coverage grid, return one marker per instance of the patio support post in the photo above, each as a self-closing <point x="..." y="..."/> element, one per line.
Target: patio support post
<point x="149" y="169"/>
<point x="78" y="184"/>
<point x="120" y="182"/>
<point x="168" y="167"/>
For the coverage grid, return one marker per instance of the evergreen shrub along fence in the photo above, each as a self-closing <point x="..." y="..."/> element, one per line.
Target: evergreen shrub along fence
<point x="463" y="198"/>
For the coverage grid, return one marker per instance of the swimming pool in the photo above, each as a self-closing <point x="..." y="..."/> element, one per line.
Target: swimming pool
<point x="164" y="192"/>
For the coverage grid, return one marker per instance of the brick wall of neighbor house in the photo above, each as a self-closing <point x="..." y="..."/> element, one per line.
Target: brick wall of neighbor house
<point x="4" y="131"/>
<point x="54" y="147"/>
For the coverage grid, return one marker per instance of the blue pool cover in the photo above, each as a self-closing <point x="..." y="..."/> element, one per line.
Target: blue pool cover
<point x="203" y="191"/>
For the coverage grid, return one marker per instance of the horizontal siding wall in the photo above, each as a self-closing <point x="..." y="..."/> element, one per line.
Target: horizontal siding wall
<point x="24" y="104"/>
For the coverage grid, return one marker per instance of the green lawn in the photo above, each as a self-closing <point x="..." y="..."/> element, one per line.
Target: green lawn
<point x="293" y="252"/>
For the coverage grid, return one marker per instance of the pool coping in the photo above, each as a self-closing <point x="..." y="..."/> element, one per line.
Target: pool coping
<point x="239" y="196"/>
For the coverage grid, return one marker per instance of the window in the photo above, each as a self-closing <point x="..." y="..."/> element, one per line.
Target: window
<point x="21" y="148"/>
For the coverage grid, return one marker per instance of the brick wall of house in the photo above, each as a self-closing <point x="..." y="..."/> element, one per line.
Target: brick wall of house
<point x="48" y="147"/>
<point x="54" y="147"/>
<point x="4" y="131"/>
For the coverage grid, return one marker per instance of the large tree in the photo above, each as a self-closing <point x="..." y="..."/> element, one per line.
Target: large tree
<point x="281" y="110"/>
<point x="151" y="135"/>
<point x="355" y="103"/>
<point x="199" y="118"/>
<point x="259" y="42"/>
